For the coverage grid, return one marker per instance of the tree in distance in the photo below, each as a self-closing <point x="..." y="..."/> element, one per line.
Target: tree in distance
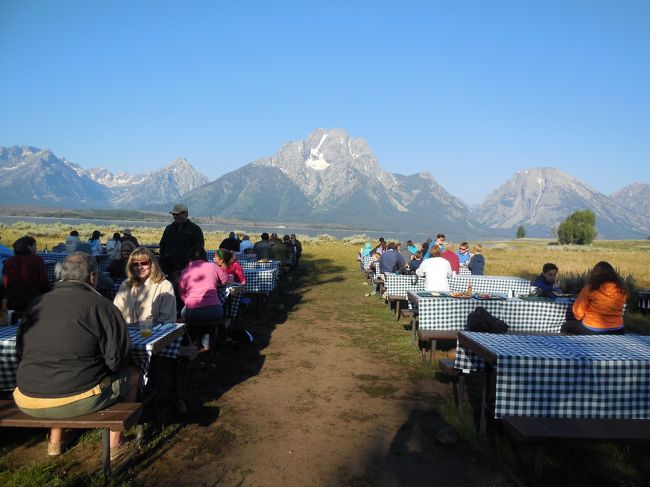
<point x="578" y="229"/>
<point x="521" y="232"/>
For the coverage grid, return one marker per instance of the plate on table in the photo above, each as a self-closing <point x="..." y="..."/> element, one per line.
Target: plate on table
<point x="460" y="295"/>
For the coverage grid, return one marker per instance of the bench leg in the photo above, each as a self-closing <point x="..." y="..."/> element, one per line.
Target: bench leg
<point x="482" y="425"/>
<point x="433" y="352"/>
<point x="106" y="453"/>
<point x="539" y="463"/>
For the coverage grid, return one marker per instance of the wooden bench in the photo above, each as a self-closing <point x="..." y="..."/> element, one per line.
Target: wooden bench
<point x="446" y="368"/>
<point x="432" y="336"/>
<point x="538" y="430"/>
<point x="118" y="417"/>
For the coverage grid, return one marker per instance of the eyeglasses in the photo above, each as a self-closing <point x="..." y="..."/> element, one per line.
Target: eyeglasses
<point x="177" y="214"/>
<point x="145" y="263"/>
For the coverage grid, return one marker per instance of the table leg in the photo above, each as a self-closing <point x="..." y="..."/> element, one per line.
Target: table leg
<point x="398" y="307"/>
<point x="484" y="398"/>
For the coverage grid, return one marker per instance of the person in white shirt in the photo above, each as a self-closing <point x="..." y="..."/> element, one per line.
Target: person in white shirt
<point x="435" y="271"/>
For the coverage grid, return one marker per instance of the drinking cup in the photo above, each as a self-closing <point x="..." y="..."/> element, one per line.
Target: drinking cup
<point x="146" y="328"/>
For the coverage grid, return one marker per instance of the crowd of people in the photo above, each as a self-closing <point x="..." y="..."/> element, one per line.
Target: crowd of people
<point x="597" y="309"/>
<point x="72" y="343"/>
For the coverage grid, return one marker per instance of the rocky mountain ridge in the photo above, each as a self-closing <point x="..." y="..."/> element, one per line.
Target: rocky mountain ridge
<point x="329" y="178"/>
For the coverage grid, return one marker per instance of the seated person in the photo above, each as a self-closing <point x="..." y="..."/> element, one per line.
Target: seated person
<point x="477" y="261"/>
<point x="545" y="282"/>
<point x="415" y="262"/>
<point x="197" y="288"/>
<point x="95" y="243"/>
<point x="230" y="243"/>
<point x="24" y="275"/>
<point x="70" y="241"/>
<point x="451" y="256"/>
<point x="228" y="262"/>
<point x="391" y="260"/>
<point x="263" y="247"/>
<point x="598" y="309"/>
<point x="72" y="349"/>
<point x="113" y="247"/>
<point x="246" y="246"/>
<point x="373" y="265"/>
<point x="128" y="236"/>
<point x="281" y="252"/>
<point x="463" y="254"/>
<point x="435" y="271"/>
<point x="146" y="294"/>
<point x="117" y="268"/>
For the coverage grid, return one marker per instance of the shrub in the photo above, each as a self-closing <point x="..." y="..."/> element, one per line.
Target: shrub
<point x="579" y="228"/>
<point x="521" y="231"/>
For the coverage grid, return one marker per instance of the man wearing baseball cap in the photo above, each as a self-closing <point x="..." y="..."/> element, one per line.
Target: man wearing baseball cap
<point x="178" y="238"/>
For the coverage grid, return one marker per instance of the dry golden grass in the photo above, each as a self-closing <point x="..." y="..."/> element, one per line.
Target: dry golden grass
<point x="522" y="257"/>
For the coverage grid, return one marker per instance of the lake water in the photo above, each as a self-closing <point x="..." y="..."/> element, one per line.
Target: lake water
<point x="253" y="230"/>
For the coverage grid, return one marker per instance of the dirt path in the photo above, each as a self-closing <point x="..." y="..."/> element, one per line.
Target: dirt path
<point x="308" y="407"/>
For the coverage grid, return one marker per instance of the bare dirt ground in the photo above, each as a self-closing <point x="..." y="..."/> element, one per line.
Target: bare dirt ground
<point x="305" y="406"/>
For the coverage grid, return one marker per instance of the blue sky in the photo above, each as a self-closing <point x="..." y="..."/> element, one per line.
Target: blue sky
<point x="471" y="91"/>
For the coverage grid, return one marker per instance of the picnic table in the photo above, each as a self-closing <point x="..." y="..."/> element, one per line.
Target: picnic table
<point x="165" y="341"/>
<point x="566" y="376"/>
<point x="399" y="285"/>
<point x="450" y="314"/>
<point x="260" y="280"/>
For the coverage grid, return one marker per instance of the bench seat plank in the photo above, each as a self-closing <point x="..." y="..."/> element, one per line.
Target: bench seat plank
<point x="118" y="417"/>
<point x="536" y="429"/>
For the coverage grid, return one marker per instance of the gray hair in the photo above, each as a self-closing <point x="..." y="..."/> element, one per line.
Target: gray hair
<point x="78" y="266"/>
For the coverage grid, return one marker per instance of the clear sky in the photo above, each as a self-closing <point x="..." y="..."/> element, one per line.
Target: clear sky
<point x="471" y="91"/>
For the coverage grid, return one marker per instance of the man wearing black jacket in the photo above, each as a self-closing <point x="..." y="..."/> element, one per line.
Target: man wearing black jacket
<point x="72" y="349"/>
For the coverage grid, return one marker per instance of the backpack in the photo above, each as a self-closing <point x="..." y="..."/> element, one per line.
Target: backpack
<point x="481" y="320"/>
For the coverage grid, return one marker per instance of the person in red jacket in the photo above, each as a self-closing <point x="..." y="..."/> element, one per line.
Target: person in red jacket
<point x="24" y="275"/>
<point x="599" y="306"/>
<point x="451" y="256"/>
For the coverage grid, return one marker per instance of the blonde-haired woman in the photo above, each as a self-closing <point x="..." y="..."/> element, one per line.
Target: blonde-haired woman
<point x="146" y="294"/>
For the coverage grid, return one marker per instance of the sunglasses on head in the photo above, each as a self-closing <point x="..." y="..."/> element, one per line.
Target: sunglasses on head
<point x="146" y="263"/>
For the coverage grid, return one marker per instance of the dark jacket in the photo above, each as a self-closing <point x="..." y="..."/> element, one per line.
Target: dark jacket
<point x="280" y="252"/>
<point x="297" y="248"/>
<point x="176" y="242"/>
<point x="477" y="264"/>
<point x="70" y="339"/>
<point x="262" y="249"/>
<point x="230" y="244"/>
<point x="391" y="261"/>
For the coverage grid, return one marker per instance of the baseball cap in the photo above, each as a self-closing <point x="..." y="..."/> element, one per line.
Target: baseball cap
<point x="179" y="209"/>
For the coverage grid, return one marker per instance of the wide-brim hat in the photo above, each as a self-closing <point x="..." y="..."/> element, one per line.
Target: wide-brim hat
<point x="126" y="231"/>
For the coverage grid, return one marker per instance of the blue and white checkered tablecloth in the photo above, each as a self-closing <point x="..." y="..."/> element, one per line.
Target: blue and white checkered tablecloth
<point x="464" y="271"/>
<point x="260" y="280"/>
<point x="230" y="298"/>
<point x="241" y="257"/>
<point x="445" y="313"/>
<point x="490" y="284"/>
<point x="8" y="359"/>
<point x="140" y="355"/>
<point x="365" y="262"/>
<point x="400" y="284"/>
<point x="271" y="264"/>
<point x="102" y="260"/>
<point x="565" y="376"/>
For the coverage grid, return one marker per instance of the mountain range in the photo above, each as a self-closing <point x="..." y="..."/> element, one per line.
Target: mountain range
<point x="329" y="178"/>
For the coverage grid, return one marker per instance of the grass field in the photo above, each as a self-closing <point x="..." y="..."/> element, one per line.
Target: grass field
<point x="334" y="291"/>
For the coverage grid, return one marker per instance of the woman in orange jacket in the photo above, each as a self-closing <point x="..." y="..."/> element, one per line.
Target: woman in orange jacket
<point x="599" y="306"/>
